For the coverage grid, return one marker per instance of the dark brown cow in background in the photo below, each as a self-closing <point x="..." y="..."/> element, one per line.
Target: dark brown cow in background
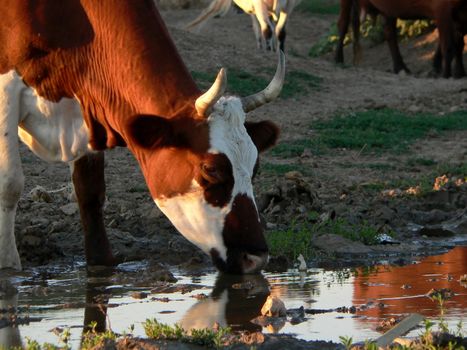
<point x="449" y="17"/>
<point x="116" y="58"/>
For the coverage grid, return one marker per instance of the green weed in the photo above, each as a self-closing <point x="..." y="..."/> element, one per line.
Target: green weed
<point x="291" y="242"/>
<point x="299" y="82"/>
<point x="346" y="341"/>
<point x="295" y="148"/>
<point x="206" y="337"/>
<point x="420" y="161"/>
<point x="297" y="238"/>
<point x="373" y="131"/>
<point x="242" y="83"/>
<point x="281" y="169"/>
<point x="328" y="42"/>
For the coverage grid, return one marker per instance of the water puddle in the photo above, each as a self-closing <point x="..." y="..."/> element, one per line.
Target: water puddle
<point x="350" y="302"/>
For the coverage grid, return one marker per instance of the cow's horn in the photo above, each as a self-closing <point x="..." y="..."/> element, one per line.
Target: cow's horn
<point x="205" y="102"/>
<point x="272" y="90"/>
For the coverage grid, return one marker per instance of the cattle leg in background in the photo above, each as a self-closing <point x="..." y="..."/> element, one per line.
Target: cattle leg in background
<point x="459" y="70"/>
<point x="343" y="27"/>
<point x="89" y="185"/>
<point x="267" y="39"/>
<point x="446" y="41"/>
<point x="390" y="33"/>
<point x="11" y="174"/>
<point x="281" y="24"/>
<point x="349" y="10"/>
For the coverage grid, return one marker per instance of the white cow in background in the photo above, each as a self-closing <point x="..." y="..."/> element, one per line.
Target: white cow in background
<point x="269" y="18"/>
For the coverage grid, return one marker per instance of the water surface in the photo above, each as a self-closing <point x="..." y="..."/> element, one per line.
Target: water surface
<point x="67" y="297"/>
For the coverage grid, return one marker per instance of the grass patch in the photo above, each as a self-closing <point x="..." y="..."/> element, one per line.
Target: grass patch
<point x="322" y="7"/>
<point x="373" y="131"/>
<point x="281" y="169"/>
<point x="296" y="147"/>
<point x="327" y="43"/>
<point x="385" y="129"/>
<point x="297" y="238"/>
<point x="421" y="161"/>
<point x="242" y="83"/>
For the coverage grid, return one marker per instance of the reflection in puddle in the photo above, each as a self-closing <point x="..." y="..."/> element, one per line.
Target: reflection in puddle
<point x="70" y="298"/>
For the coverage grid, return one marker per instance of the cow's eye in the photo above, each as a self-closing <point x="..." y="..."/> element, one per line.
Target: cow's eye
<point x="211" y="173"/>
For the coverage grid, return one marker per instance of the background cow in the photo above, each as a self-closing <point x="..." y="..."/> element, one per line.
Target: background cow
<point x="449" y="17"/>
<point x="117" y="60"/>
<point x="269" y="18"/>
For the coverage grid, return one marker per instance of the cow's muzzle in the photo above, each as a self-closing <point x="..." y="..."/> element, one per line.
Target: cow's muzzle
<point x="241" y="262"/>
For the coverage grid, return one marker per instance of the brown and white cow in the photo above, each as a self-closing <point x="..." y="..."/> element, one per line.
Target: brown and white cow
<point x="116" y="58"/>
<point x="449" y="15"/>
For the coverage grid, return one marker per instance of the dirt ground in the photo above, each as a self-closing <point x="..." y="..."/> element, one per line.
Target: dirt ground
<point x="48" y="227"/>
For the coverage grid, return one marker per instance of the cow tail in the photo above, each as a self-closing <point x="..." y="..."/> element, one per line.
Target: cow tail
<point x="216" y="8"/>
<point x="355" y="18"/>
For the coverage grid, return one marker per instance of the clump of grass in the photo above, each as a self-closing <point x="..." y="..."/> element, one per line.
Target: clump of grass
<point x="287" y="149"/>
<point x="421" y="161"/>
<point x="281" y="169"/>
<point x="328" y="42"/>
<point x="297" y="239"/>
<point x="299" y="82"/>
<point x="384" y="130"/>
<point x="238" y="82"/>
<point x="242" y="83"/>
<point x="64" y="339"/>
<point x="93" y="339"/>
<point x="205" y="337"/>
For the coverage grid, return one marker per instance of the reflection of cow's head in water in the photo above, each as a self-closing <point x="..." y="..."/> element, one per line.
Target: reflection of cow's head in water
<point x="230" y="304"/>
<point x="196" y="151"/>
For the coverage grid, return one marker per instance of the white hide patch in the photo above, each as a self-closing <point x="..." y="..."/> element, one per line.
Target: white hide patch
<point x="196" y="219"/>
<point x="228" y="135"/>
<point x="53" y="131"/>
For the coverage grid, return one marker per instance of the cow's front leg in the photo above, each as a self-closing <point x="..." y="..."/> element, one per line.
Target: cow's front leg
<point x="11" y="183"/>
<point x="89" y="186"/>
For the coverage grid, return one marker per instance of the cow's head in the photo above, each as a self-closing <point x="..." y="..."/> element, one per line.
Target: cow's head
<point x="199" y="170"/>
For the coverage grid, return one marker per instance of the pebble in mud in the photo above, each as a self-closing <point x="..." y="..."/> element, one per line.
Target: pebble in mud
<point x="139" y="295"/>
<point x="274" y="307"/>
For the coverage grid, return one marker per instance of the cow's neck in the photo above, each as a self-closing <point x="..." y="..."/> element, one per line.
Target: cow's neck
<point x="130" y="67"/>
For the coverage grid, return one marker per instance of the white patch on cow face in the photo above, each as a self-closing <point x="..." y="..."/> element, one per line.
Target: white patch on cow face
<point x="196" y="219"/>
<point x="228" y="135"/>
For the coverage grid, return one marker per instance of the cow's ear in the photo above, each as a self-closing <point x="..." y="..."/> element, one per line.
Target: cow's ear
<point x="150" y="131"/>
<point x="264" y="134"/>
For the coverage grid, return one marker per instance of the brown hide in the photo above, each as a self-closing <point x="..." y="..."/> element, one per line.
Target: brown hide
<point x="34" y="28"/>
<point x="116" y="57"/>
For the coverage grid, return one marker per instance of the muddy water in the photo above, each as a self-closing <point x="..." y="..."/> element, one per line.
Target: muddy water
<point x="50" y="299"/>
